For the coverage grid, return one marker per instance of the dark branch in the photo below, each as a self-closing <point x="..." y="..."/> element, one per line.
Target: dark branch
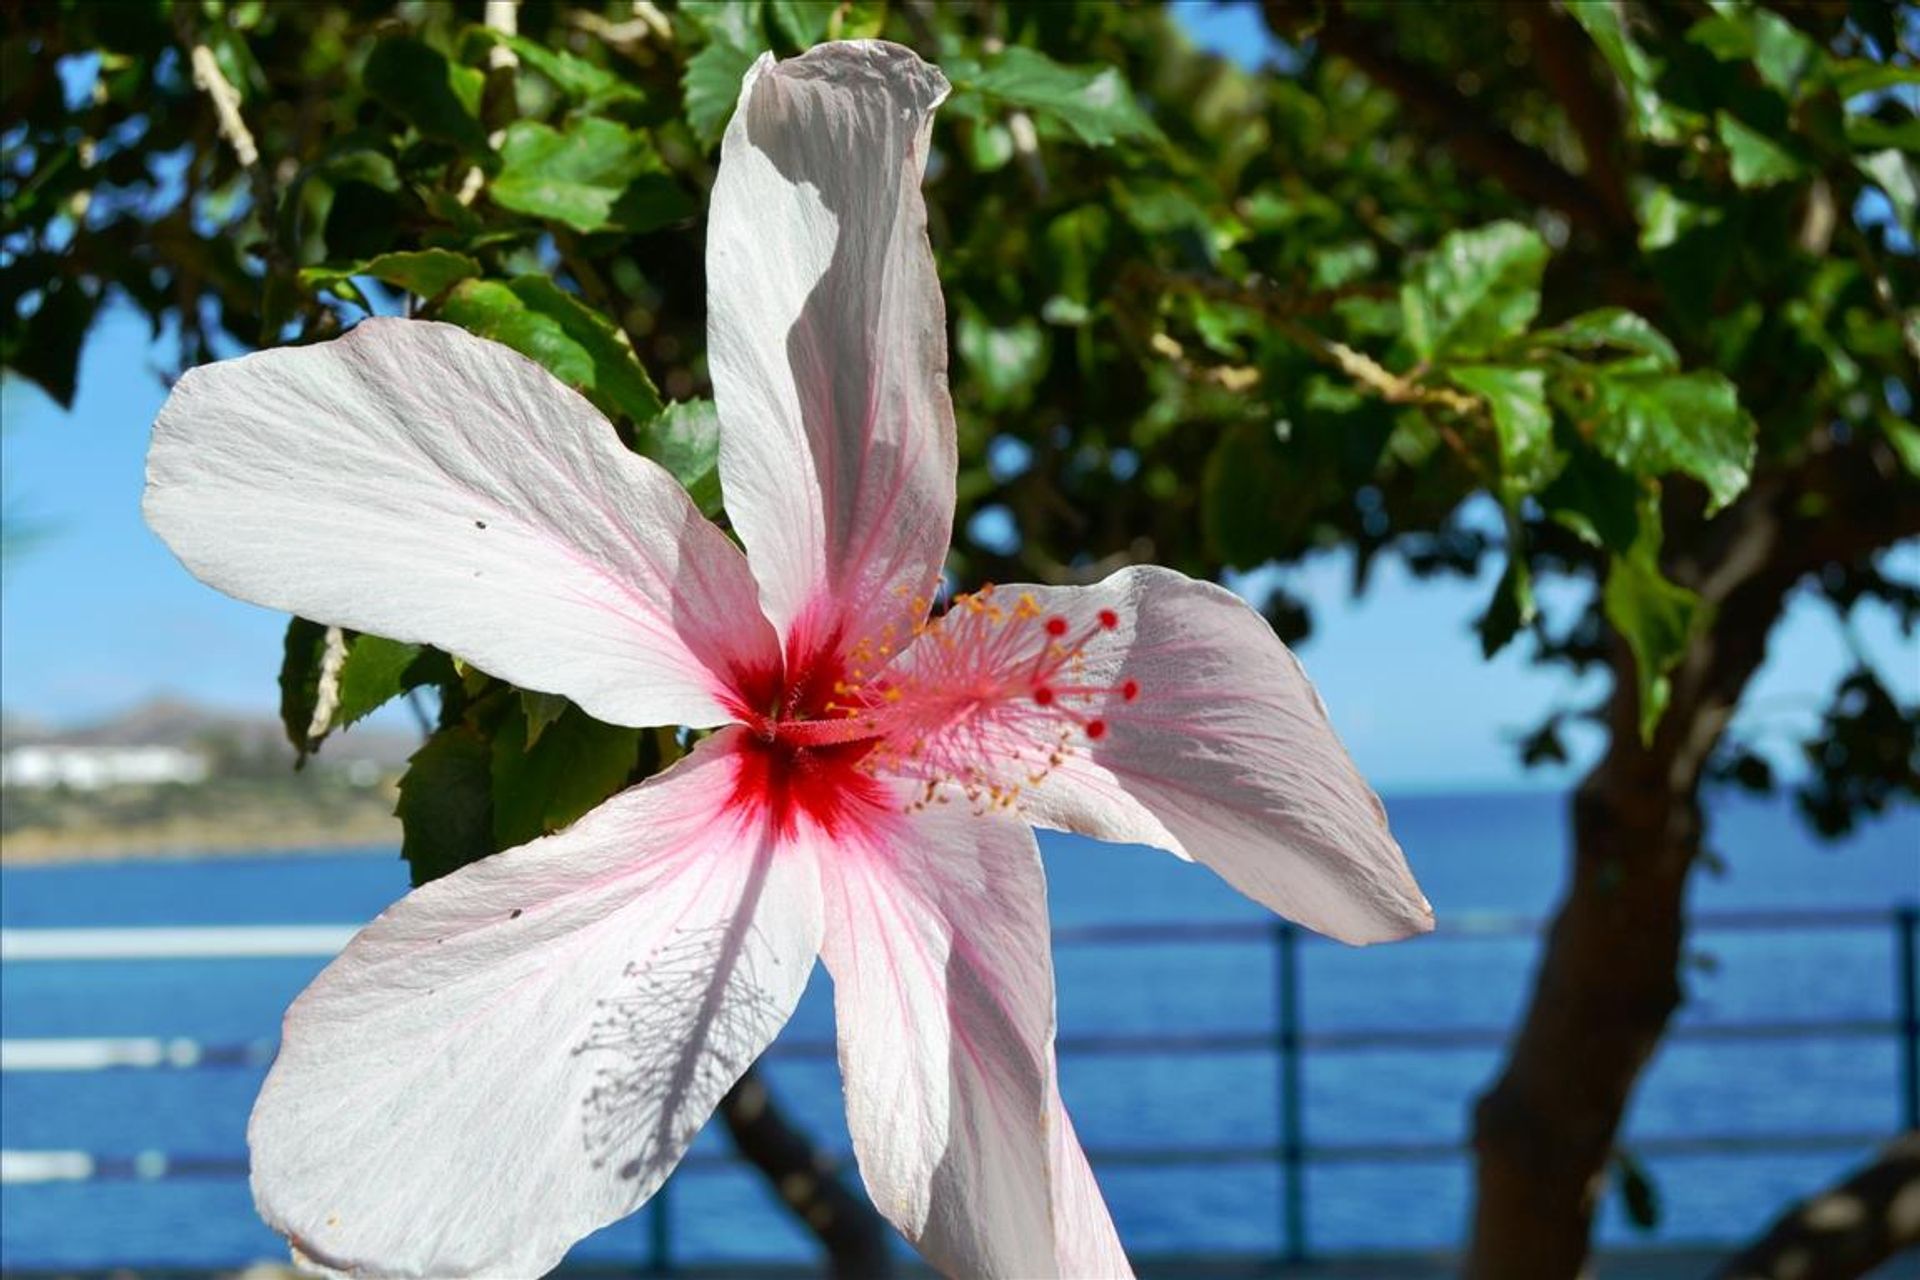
<point x="854" y="1236"/>
<point x="1456" y="120"/>
<point x="1566" y="61"/>
<point x="1844" y="1231"/>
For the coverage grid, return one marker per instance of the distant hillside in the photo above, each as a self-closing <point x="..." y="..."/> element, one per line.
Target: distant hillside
<point x="245" y="798"/>
<point x="172" y="722"/>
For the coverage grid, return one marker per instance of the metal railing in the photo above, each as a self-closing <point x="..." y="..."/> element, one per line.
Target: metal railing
<point x="1287" y="1040"/>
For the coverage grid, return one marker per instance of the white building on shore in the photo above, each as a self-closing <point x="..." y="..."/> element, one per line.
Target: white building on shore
<point x="92" y="768"/>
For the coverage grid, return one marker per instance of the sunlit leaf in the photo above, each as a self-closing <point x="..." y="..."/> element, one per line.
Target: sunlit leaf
<point x="1653" y="424"/>
<point x="1475" y="291"/>
<point x="1005" y="360"/>
<point x="426" y="272"/>
<point x="1615" y="329"/>
<point x="685" y="439"/>
<point x="1521" y="419"/>
<point x="1656" y="617"/>
<point x="593" y="175"/>
<point x="591" y="86"/>
<point x="537" y="318"/>
<point x="1757" y="159"/>
<point x="712" y="86"/>
<point x="1094" y="103"/>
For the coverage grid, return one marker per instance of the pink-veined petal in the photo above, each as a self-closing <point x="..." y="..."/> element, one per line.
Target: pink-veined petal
<point x="936" y="937"/>
<point x="1225" y="756"/>
<point x="518" y="1054"/>
<point x="827" y="342"/>
<point x="419" y="483"/>
<point x="1083" y="1234"/>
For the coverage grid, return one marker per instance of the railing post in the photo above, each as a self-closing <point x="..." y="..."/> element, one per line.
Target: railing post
<point x="1293" y="1182"/>
<point x="1906" y="923"/>
<point x="660" y="1231"/>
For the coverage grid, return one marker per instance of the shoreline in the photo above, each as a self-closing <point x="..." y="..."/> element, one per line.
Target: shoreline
<point x="41" y="848"/>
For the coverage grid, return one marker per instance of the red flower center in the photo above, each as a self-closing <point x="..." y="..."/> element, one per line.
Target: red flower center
<point x="987" y="699"/>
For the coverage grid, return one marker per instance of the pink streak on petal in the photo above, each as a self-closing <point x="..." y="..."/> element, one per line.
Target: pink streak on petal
<point x="1224" y="755"/>
<point x="936" y="938"/>
<point x="513" y="1056"/>
<point x="827" y="342"/>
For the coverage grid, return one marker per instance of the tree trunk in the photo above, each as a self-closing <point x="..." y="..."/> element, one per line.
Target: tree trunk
<point x="1606" y="987"/>
<point x="854" y="1236"/>
<point x="1608" y="981"/>
<point x="1846" y="1230"/>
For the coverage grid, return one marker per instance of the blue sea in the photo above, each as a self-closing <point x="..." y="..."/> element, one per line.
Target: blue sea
<point x="1382" y="1120"/>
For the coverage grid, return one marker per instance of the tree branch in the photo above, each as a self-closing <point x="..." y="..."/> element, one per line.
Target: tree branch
<point x="1455" y="119"/>
<point x="846" y="1225"/>
<point x="1566" y="61"/>
<point x="1845" y="1230"/>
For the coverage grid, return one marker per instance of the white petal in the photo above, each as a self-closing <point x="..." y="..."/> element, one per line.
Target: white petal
<point x="1083" y="1234"/>
<point x="417" y="482"/>
<point x="827" y="342"/>
<point x="936" y="937"/>
<point x="1226" y="757"/>
<point x="518" y="1054"/>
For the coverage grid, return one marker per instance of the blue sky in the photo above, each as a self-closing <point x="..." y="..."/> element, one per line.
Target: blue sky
<point x="96" y="615"/>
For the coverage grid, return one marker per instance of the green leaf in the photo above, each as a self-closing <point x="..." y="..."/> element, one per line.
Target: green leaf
<point x="1477" y="290"/>
<point x="540" y="786"/>
<point x="1596" y="500"/>
<point x="446" y="804"/>
<point x="1894" y="173"/>
<point x="426" y="272"/>
<point x="1094" y="103"/>
<point x="1638" y="1193"/>
<point x="589" y="85"/>
<point x="736" y="22"/>
<point x="1004" y="361"/>
<point x="1745" y="32"/>
<point x="541" y="710"/>
<point x="1855" y="76"/>
<point x="1905" y="439"/>
<point x="537" y="318"/>
<point x="685" y="439"/>
<point x="1653" y="117"/>
<point x="1617" y="328"/>
<point x="300" y="682"/>
<point x="1656" y="617"/>
<point x="375" y="672"/>
<point x="595" y="175"/>
<point x="1238" y="488"/>
<point x="803" y="22"/>
<point x="1864" y="133"/>
<point x="989" y="145"/>
<point x="1511" y="608"/>
<point x="1521" y="420"/>
<point x="1757" y="160"/>
<point x="440" y="100"/>
<point x="46" y="346"/>
<point x="1652" y="424"/>
<point x="712" y="87"/>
